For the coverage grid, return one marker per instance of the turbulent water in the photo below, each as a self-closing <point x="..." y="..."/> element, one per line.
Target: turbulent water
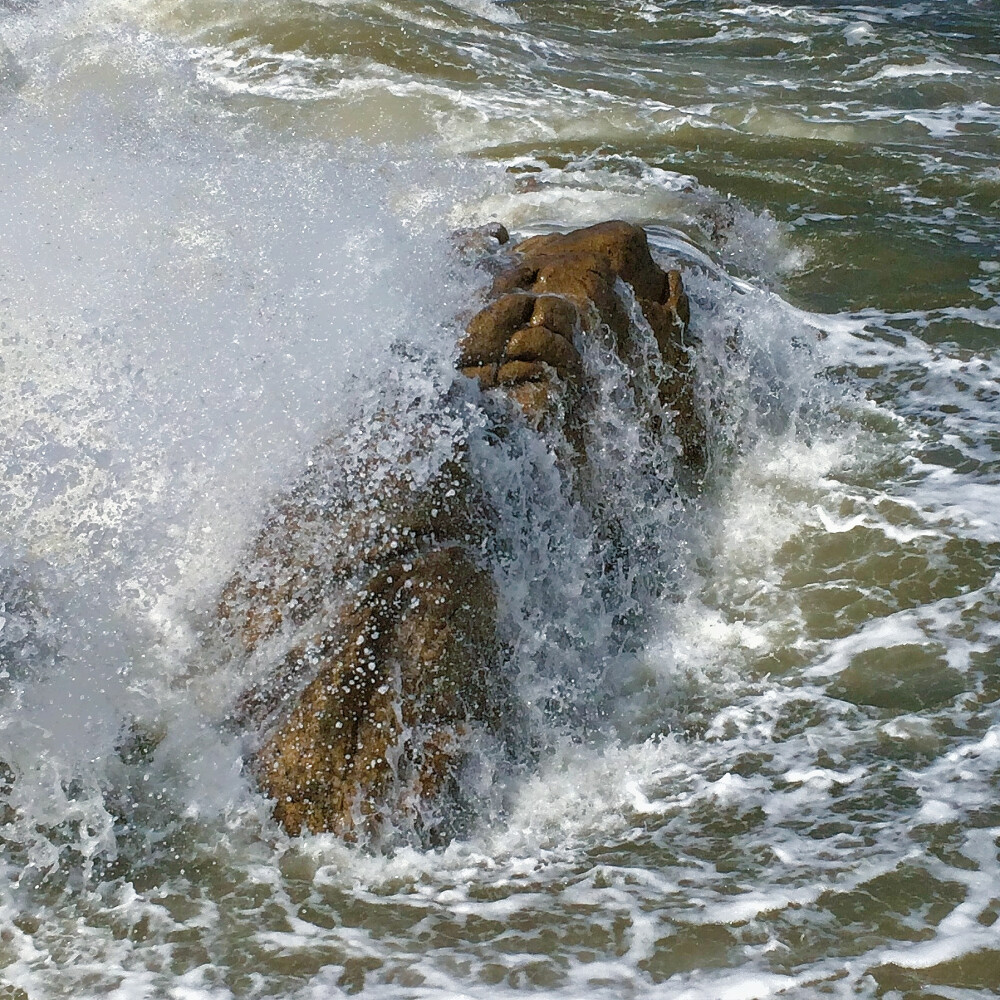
<point x="224" y="236"/>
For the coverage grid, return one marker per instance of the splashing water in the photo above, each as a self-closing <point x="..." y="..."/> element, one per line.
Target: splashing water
<point x="780" y="778"/>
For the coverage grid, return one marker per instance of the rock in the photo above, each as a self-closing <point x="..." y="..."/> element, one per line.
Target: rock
<point x="512" y="279"/>
<point x="409" y="672"/>
<point x="557" y="314"/>
<point x="522" y="371"/>
<point x="338" y="524"/>
<point x="588" y="280"/>
<point x="571" y="280"/>
<point x="536" y="343"/>
<point x="8" y="814"/>
<point x="486" y="375"/>
<point x="365" y="593"/>
<point x="531" y="387"/>
<point x="489" y="330"/>
<point x="474" y="244"/>
<point x="368" y="595"/>
<point x="621" y="246"/>
<point x="676" y="298"/>
<point x="497" y="231"/>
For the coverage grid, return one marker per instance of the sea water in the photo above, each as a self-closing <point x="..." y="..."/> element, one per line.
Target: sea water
<point x="224" y="238"/>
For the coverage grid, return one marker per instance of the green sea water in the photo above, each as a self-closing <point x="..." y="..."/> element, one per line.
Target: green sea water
<point x="218" y="223"/>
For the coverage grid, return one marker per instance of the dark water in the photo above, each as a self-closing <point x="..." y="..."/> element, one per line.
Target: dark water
<point x="217" y="220"/>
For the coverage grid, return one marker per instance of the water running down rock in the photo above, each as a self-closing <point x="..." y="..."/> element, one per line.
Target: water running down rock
<point x="375" y="590"/>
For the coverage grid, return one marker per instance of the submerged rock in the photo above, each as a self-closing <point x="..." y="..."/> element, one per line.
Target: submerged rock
<point x="369" y="596"/>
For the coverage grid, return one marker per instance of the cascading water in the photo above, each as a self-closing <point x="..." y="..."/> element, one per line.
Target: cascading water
<point x="764" y="749"/>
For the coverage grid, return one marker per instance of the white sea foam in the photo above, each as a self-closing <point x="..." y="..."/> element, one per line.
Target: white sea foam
<point x="930" y="67"/>
<point x="502" y="12"/>
<point x="860" y="33"/>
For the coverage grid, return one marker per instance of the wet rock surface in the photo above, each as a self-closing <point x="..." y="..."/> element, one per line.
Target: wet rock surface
<point x="407" y="669"/>
<point x="368" y="602"/>
<point x="559" y="287"/>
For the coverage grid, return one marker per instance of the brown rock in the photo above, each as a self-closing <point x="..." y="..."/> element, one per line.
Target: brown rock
<point x="514" y="278"/>
<point x="407" y="674"/>
<point x="556" y="313"/>
<point x="537" y="398"/>
<point x="474" y="244"/>
<point x="677" y="298"/>
<point x="337" y="524"/>
<point x="536" y="343"/>
<point x="623" y="246"/>
<point x="573" y="279"/>
<point x="666" y="326"/>
<point x="522" y="371"/>
<point x="490" y="329"/>
<point x="366" y="581"/>
<point x="485" y="374"/>
<point x="588" y="280"/>
<point x="497" y="231"/>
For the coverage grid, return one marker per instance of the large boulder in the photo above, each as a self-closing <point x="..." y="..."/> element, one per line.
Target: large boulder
<point x="404" y="674"/>
<point x="367" y="602"/>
